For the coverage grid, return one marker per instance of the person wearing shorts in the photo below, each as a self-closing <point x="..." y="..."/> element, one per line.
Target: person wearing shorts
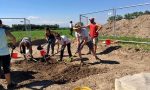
<point x="25" y="45"/>
<point x="86" y="40"/>
<point x="5" y="54"/>
<point x="94" y="29"/>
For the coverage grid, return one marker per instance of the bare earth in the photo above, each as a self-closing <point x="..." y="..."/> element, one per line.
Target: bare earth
<point x="138" y="27"/>
<point x="116" y="62"/>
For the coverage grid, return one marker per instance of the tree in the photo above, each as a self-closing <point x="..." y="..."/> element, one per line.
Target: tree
<point x="117" y="18"/>
<point x="147" y="12"/>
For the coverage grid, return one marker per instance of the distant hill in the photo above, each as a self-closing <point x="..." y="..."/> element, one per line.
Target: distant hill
<point x="138" y="27"/>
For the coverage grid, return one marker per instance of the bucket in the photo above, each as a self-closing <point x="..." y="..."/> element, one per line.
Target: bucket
<point x="43" y="52"/>
<point x="82" y="88"/>
<point x="14" y="55"/>
<point x="108" y="42"/>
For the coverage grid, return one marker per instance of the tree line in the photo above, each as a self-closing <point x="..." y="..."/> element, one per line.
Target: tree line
<point x="128" y="16"/>
<point x="17" y="27"/>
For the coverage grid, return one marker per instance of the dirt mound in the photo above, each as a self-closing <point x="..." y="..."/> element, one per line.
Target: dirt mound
<point x="59" y="73"/>
<point x="138" y="27"/>
<point x="76" y="72"/>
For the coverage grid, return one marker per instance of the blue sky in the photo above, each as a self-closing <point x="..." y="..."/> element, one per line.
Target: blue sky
<point x="57" y="11"/>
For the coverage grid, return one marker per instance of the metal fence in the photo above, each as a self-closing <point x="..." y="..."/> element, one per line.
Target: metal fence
<point x="124" y="29"/>
<point x="24" y="31"/>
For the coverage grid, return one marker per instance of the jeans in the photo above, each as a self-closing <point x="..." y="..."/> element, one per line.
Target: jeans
<point x="63" y="48"/>
<point x="51" y="43"/>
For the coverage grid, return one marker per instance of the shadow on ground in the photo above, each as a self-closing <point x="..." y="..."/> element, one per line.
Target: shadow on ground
<point x="34" y="42"/>
<point x="39" y="42"/>
<point x="105" y="62"/>
<point x="83" y="59"/>
<point x="37" y="85"/>
<point x="109" y="50"/>
<point x="20" y="76"/>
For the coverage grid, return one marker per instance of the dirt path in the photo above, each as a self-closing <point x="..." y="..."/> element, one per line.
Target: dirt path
<point x="116" y="62"/>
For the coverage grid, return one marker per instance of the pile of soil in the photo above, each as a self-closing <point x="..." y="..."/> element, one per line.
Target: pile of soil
<point x="138" y="27"/>
<point x="57" y="73"/>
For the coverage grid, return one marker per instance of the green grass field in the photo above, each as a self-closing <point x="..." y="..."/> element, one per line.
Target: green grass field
<point x="39" y="34"/>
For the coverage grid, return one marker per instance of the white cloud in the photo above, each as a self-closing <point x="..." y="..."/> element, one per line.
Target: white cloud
<point x="33" y="17"/>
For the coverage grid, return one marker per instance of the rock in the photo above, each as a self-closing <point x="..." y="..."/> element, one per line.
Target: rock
<point x="135" y="82"/>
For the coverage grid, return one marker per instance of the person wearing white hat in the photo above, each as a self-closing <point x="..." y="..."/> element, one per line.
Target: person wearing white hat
<point x="86" y="40"/>
<point x="24" y="46"/>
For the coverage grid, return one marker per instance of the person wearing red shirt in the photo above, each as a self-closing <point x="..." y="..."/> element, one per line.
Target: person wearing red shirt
<point x="94" y="29"/>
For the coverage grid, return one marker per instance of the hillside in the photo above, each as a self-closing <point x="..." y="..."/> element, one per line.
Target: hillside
<point x="139" y="27"/>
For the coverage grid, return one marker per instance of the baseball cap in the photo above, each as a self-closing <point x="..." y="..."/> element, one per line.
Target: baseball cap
<point x="91" y="19"/>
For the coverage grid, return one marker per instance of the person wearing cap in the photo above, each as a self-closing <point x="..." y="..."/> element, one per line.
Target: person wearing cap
<point x="25" y="45"/>
<point x="63" y="41"/>
<point x="79" y="39"/>
<point x="5" y="54"/>
<point x="94" y="29"/>
<point x="71" y="28"/>
<point x="82" y="34"/>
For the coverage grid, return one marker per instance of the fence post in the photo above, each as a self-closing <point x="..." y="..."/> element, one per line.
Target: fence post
<point x="80" y="18"/>
<point x="114" y="22"/>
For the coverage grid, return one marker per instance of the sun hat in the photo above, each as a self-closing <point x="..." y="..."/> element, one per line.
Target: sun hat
<point x="77" y="26"/>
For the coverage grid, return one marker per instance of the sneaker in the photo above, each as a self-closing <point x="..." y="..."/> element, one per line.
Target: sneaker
<point x="11" y="85"/>
<point x="98" y="59"/>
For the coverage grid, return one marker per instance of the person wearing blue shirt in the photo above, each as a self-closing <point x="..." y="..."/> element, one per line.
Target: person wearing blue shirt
<point x="5" y="54"/>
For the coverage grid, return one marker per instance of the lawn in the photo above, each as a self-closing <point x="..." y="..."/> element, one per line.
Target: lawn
<point x="39" y="34"/>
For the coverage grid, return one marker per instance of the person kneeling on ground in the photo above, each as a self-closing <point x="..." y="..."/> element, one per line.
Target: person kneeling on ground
<point x="5" y="55"/>
<point x="63" y="41"/>
<point x="25" y="45"/>
<point x="86" y="40"/>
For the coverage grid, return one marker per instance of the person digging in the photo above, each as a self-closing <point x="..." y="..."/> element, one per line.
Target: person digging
<point x="63" y="41"/>
<point x="85" y="40"/>
<point x="25" y="45"/>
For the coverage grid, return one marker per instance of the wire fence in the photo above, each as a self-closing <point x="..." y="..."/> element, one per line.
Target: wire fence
<point x="118" y="23"/>
<point x="21" y="26"/>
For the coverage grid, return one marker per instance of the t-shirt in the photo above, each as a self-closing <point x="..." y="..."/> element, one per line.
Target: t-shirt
<point x="4" y="50"/>
<point x="83" y="34"/>
<point x="25" y="40"/>
<point x="71" y="25"/>
<point x="93" y="30"/>
<point x="50" y="36"/>
<point x="62" y="40"/>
